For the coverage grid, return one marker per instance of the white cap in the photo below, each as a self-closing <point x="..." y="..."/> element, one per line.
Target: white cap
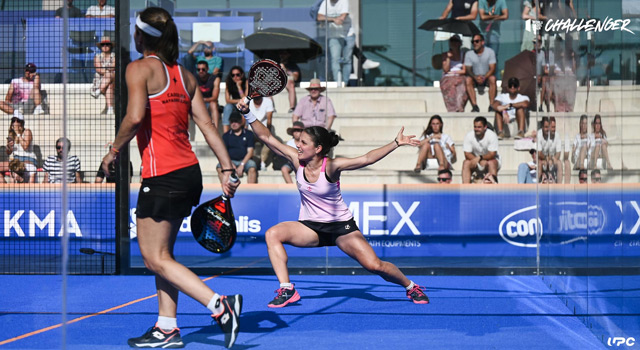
<point x="17" y="114"/>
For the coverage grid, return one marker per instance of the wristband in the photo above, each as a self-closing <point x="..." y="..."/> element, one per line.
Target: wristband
<point x="241" y="164"/>
<point x="396" y="141"/>
<point x="250" y="117"/>
<point x="115" y="150"/>
<point x="227" y="170"/>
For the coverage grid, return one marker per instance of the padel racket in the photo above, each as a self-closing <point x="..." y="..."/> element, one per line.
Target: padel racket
<point x="266" y="78"/>
<point x="213" y="224"/>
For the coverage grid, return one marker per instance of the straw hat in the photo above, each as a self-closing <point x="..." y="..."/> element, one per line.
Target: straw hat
<point x="296" y="126"/>
<point x="315" y="84"/>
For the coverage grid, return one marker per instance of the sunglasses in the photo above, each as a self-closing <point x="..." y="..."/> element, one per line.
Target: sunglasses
<point x="313" y="89"/>
<point x="444" y="179"/>
<point x="58" y="147"/>
<point x="105" y="44"/>
<point x="597" y="179"/>
<point x="30" y="70"/>
<point x="202" y="69"/>
<point x="583" y="179"/>
<point x="476" y="41"/>
<point x="297" y="130"/>
<point x="236" y="74"/>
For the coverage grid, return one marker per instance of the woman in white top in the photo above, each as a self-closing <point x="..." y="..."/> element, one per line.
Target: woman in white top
<point x="436" y="144"/>
<point x="580" y="149"/>
<point x="20" y="147"/>
<point x="598" y="144"/>
<point x="452" y="83"/>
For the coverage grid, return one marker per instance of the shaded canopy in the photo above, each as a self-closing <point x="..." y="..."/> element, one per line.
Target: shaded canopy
<point x="269" y="42"/>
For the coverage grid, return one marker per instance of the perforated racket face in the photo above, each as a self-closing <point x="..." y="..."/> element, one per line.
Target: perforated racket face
<point x="213" y="225"/>
<point x="266" y="78"/>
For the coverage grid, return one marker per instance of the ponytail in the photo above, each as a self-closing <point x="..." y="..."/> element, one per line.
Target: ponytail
<point x="165" y="45"/>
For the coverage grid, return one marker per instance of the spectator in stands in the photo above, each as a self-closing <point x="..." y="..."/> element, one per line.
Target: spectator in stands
<point x="549" y="147"/>
<point x="239" y="142"/>
<point x="596" y="177"/>
<point x="262" y="108"/>
<point x="105" y="76"/>
<point x="53" y="164"/>
<point x="111" y="178"/>
<point x="480" y="151"/>
<point x="340" y="36"/>
<point x="528" y="172"/>
<point x="435" y="144"/>
<point x="74" y="12"/>
<point x="208" y="55"/>
<point x="529" y="13"/>
<point x="102" y="10"/>
<point x="548" y="176"/>
<point x="462" y="10"/>
<point x="294" y="76"/>
<point x="598" y="145"/>
<point x="279" y="162"/>
<point x="544" y="60"/>
<point x="22" y="146"/>
<point x="24" y="93"/>
<point x="444" y="176"/>
<point x="509" y="106"/>
<point x="209" y="85"/>
<point x="492" y="12"/>
<point x="580" y="149"/>
<point x="564" y="79"/>
<point x="237" y="88"/>
<point x="490" y="179"/>
<point x="453" y="80"/>
<point x="480" y="68"/>
<point x="582" y="176"/>
<point x="315" y="109"/>
<point x="20" y="172"/>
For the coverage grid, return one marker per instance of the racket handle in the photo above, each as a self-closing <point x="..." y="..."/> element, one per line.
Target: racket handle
<point x="233" y="177"/>
<point x="246" y="101"/>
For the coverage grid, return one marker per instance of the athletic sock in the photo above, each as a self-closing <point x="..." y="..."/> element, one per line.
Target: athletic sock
<point x="215" y="306"/>
<point x="286" y="285"/>
<point x="167" y="323"/>
<point x="410" y="286"/>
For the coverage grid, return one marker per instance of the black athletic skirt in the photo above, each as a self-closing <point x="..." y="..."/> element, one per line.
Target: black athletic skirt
<point x="170" y="196"/>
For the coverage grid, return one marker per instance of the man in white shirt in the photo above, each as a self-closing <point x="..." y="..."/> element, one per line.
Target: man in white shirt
<point x="509" y="106"/>
<point x="336" y="13"/>
<point x="480" y="151"/>
<point x="262" y="108"/>
<point x="102" y="10"/>
<point x="549" y="147"/>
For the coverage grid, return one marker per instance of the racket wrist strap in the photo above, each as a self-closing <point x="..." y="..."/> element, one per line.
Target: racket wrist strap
<point x="250" y="117"/>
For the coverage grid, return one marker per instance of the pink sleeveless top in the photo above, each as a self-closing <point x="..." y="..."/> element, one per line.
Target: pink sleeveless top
<point x="321" y="201"/>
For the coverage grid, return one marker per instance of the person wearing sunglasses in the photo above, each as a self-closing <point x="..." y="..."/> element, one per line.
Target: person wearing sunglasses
<point x="209" y="85"/>
<point x="480" y="152"/>
<point x="24" y="93"/>
<point x="105" y="76"/>
<point x="237" y="89"/>
<point x="510" y="106"/>
<point x="583" y="177"/>
<point x="444" y="176"/>
<point x="53" y="164"/>
<point x="480" y="66"/>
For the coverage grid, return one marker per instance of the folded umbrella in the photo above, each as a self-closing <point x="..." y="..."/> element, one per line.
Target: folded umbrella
<point x="269" y="42"/>
<point x="466" y="28"/>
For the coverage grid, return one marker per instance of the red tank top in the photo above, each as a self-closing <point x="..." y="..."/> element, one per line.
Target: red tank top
<point x="163" y="137"/>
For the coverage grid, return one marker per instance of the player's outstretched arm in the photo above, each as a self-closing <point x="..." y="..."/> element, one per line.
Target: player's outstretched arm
<point x="341" y="164"/>
<point x="264" y="135"/>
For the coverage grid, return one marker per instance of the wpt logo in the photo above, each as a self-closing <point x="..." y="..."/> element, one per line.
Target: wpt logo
<point x="621" y="341"/>
<point x="520" y="227"/>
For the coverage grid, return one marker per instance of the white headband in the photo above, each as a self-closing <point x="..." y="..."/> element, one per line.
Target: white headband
<point x="147" y="28"/>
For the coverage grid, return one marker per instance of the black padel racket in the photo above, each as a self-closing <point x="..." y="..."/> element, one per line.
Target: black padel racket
<point x="213" y="224"/>
<point x="266" y="78"/>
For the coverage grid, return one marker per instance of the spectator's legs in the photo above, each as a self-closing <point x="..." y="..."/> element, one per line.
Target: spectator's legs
<point x="6" y="107"/>
<point x="471" y="91"/>
<point x="214" y="107"/>
<point x="558" y="163"/>
<point x="252" y="177"/>
<point x="581" y="157"/>
<point x="358" y="53"/>
<point x="595" y="154"/>
<point x="493" y="41"/>
<point x="467" y="167"/>
<point x="498" y="122"/>
<point x="347" y="57"/>
<point x="35" y="92"/>
<point x="492" y="166"/>
<point x="291" y="89"/>
<point x="567" y="168"/>
<point x="335" y="52"/>
<point x="423" y="154"/>
<point x="492" y="89"/>
<point x="439" y="155"/>
<point x="285" y="174"/>
<point x="226" y="113"/>
<point x="524" y="176"/>
<point x="520" y="119"/>
<point x="605" y="157"/>
<point x="107" y="87"/>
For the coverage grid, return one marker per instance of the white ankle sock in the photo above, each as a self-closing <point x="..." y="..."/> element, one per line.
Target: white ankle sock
<point x="215" y="306"/>
<point x="286" y="285"/>
<point x="411" y="285"/>
<point x="167" y="323"/>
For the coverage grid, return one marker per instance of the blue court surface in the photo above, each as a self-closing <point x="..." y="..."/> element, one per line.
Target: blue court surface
<point x="335" y="312"/>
